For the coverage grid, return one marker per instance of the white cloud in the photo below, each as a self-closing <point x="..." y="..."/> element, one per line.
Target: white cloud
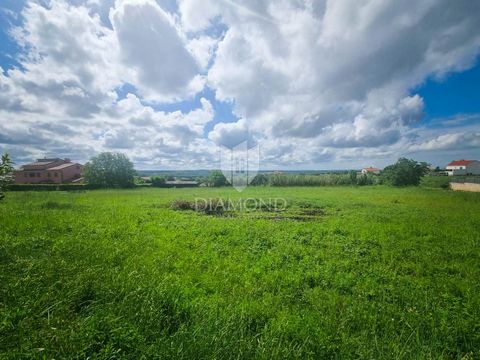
<point x="449" y="142"/>
<point x="314" y="82"/>
<point x="153" y="48"/>
<point x="341" y="70"/>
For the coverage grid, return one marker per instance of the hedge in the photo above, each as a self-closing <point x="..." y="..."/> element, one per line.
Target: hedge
<point x="50" y="187"/>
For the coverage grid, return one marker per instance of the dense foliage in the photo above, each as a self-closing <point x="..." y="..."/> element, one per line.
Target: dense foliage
<point x="383" y="273"/>
<point x="157" y="181"/>
<point x="6" y="174"/>
<point x="404" y="172"/>
<point x="110" y="170"/>
<point x="216" y="179"/>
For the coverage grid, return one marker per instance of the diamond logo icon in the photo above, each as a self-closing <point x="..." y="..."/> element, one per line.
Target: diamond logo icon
<point x="240" y="164"/>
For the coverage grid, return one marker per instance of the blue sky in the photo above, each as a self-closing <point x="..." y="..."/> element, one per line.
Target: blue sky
<point x="457" y="93"/>
<point x="316" y="84"/>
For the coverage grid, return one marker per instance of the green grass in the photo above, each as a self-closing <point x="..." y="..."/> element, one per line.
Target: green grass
<point x="379" y="273"/>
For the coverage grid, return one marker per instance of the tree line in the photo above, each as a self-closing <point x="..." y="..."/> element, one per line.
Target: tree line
<point x="115" y="170"/>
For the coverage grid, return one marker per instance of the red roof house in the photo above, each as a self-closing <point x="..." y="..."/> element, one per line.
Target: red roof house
<point x="461" y="162"/>
<point x="371" y="170"/>
<point x="464" y="167"/>
<point x="49" y="170"/>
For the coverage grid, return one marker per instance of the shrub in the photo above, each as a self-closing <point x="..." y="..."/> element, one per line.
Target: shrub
<point x="158" y="181"/>
<point x="112" y="170"/>
<point x="260" y="180"/>
<point x="6" y="174"/>
<point x="404" y="172"/>
<point x="216" y="179"/>
<point x="50" y="187"/>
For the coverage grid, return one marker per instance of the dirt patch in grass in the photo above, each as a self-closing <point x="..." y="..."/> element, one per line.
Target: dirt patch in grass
<point x="214" y="207"/>
<point x="222" y="208"/>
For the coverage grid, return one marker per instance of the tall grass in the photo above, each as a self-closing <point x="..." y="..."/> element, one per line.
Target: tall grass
<point x="379" y="273"/>
<point x="322" y="179"/>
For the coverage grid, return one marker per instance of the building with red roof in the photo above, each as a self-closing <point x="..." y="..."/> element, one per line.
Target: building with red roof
<point x="463" y="167"/>
<point x="371" y="170"/>
<point x="49" y="171"/>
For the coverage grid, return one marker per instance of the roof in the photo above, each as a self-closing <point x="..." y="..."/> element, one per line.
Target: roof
<point x="371" y="169"/>
<point x="44" y="164"/>
<point x="461" y="162"/>
<point x="38" y="165"/>
<point x="181" y="182"/>
<point x="41" y="163"/>
<point x="63" y="166"/>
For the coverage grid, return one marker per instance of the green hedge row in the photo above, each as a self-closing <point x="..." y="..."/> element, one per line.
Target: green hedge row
<point x="50" y="187"/>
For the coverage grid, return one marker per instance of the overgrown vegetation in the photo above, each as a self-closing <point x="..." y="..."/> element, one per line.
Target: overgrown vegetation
<point x="110" y="170"/>
<point x="6" y="174"/>
<point x="377" y="273"/>
<point x="405" y="172"/>
<point x="350" y="178"/>
<point x="216" y="179"/>
<point x="157" y="181"/>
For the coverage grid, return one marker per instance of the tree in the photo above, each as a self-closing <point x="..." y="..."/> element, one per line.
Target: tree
<point x="216" y="178"/>
<point x="6" y="174"/>
<point x="260" y="180"/>
<point x="158" y="181"/>
<point x="353" y="177"/>
<point x="110" y="170"/>
<point x="404" y="172"/>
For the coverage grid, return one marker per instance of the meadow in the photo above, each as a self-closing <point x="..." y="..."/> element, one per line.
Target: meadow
<point x="343" y="272"/>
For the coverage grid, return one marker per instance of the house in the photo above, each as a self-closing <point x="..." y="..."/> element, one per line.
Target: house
<point x="463" y="167"/>
<point x="371" y="170"/>
<point x="181" y="183"/>
<point x="49" y="171"/>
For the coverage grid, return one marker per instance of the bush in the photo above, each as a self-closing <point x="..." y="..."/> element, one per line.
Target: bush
<point x="405" y="172"/>
<point x="110" y="170"/>
<point x="6" y="174"/>
<point x="158" y="181"/>
<point x="50" y="187"/>
<point x="216" y="179"/>
<point x="260" y="180"/>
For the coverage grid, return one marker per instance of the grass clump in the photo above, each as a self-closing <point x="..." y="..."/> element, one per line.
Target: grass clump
<point x="54" y="205"/>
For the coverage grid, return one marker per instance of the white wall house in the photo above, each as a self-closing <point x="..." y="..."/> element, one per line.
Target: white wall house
<point x="464" y="167"/>
<point x="371" y="170"/>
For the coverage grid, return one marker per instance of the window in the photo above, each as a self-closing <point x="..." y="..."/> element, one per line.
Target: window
<point x="38" y="175"/>
<point x="55" y="174"/>
<point x="26" y="174"/>
<point x="48" y="174"/>
<point x="31" y="174"/>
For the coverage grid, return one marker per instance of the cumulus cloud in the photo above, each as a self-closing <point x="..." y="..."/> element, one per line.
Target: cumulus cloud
<point x="314" y="82"/>
<point x="452" y="141"/>
<point x="337" y="68"/>
<point x="152" y="46"/>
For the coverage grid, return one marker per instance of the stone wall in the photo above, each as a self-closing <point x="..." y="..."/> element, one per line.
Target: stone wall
<point x="465" y="187"/>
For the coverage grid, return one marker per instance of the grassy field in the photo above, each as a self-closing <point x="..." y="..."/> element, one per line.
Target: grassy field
<point x="370" y="272"/>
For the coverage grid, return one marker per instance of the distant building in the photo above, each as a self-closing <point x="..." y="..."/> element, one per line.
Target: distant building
<point x="49" y="171"/>
<point x="371" y="170"/>
<point x="463" y="167"/>
<point x="181" y="183"/>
